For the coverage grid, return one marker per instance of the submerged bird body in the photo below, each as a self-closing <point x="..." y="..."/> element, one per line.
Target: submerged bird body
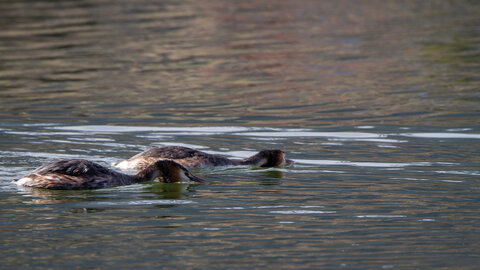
<point x="191" y="158"/>
<point x="84" y="174"/>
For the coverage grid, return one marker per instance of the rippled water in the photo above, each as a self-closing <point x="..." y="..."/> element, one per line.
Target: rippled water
<point x="377" y="102"/>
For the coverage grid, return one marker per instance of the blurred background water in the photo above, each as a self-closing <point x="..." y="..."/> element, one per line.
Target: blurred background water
<point x="377" y="102"/>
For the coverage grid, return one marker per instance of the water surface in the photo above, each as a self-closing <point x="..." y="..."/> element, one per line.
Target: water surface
<point x="376" y="102"/>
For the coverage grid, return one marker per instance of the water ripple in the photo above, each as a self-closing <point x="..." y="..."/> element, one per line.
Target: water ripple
<point x="144" y="202"/>
<point x="301" y="212"/>
<point x="369" y="164"/>
<point x="381" y="216"/>
<point x="439" y="135"/>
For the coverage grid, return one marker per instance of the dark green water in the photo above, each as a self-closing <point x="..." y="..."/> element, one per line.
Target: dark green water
<point x="377" y="102"/>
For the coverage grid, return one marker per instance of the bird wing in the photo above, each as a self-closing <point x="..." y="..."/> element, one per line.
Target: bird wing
<point x="73" y="167"/>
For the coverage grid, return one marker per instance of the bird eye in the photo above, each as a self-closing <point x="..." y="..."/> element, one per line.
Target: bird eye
<point x="186" y="176"/>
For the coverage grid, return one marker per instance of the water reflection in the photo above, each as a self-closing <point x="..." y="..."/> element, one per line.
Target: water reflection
<point x="167" y="194"/>
<point x="171" y="190"/>
<point x="271" y="177"/>
<point x="252" y="64"/>
<point x="46" y="196"/>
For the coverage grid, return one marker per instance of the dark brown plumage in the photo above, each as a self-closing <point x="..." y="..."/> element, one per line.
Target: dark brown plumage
<point x="84" y="174"/>
<point x="191" y="158"/>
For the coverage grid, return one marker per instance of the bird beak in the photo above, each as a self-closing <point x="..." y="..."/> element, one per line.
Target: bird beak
<point x="289" y="161"/>
<point x="196" y="179"/>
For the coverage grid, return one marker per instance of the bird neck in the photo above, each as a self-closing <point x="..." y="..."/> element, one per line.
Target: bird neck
<point x="147" y="174"/>
<point x="256" y="160"/>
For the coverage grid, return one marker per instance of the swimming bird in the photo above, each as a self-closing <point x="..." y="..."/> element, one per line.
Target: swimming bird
<point x="191" y="158"/>
<point x="84" y="174"/>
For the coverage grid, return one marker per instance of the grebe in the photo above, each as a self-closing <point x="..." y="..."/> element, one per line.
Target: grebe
<point x="191" y="158"/>
<point x="84" y="174"/>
